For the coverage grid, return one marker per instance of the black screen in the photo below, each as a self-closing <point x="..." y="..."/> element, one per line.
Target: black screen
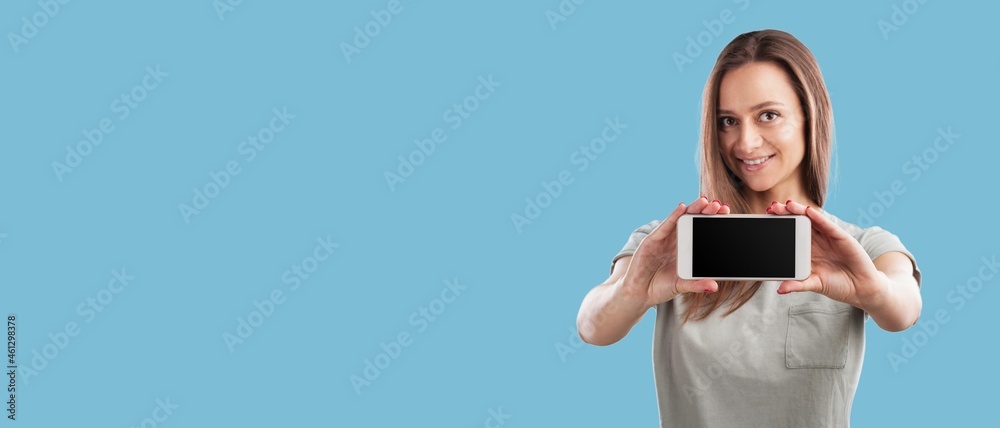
<point x="743" y="247"/>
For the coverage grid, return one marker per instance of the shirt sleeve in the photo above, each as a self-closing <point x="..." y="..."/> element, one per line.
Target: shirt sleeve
<point x="634" y="240"/>
<point x="877" y="241"/>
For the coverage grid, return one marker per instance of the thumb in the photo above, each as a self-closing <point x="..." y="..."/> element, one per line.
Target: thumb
<point x="811" y="283"/>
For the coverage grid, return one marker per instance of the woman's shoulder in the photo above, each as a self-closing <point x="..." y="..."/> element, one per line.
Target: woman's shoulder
<point x="858" y="232"/>
<point x="874" y="239"/>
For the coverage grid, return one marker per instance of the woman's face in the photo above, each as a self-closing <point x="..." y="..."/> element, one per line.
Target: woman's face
<point x="761" y="128"/>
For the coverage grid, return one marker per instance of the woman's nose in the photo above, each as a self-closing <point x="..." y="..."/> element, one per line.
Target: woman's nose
<point x="750" y="140"/>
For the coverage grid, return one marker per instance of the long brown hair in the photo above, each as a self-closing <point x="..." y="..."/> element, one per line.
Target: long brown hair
<point x="719" y="182"/>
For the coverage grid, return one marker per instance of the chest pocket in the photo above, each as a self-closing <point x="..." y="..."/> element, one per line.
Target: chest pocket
<point x="818" y="336"/>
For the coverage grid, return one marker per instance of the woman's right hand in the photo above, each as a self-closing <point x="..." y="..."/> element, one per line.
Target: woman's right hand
<point x="638" y="282"/>
<point x="652" y="272"/>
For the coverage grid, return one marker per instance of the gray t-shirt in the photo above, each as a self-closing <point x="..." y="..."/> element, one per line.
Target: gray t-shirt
<point x="777" y="361"/>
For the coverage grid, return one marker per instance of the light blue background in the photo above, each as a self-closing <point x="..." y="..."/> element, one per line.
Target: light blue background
<point x="495" y="347"/>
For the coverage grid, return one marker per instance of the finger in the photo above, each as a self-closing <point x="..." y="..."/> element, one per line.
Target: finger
<point x="712" y="208"/>
<point x="795" y="207"/>
<point x="778" y="208"/>
<point x="698" y="205"/>
<point x="822" y="224"/>
<point x="725" y="209"/>
<point x="812" y="283"/>
<point x="698" y="286"/>
<point x="668" y="224"/>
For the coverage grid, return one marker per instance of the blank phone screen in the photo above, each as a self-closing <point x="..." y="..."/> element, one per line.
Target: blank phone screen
<point x="743" y="247"/>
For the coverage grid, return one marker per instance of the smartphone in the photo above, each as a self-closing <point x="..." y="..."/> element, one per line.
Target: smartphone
<point x="750" y="247"/>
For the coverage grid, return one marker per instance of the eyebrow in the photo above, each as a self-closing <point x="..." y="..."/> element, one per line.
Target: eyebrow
<point x="756" y="107"/>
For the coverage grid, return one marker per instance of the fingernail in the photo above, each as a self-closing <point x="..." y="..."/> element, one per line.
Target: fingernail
<point x="725" y="205"/>
<point x="773" y="202"/>
<point x="704" y="197"/>
<point x="768" y="210"/>
<point x="788" y="202"/>
<point x="709" y="290"/>
<point x="716" y="200"/>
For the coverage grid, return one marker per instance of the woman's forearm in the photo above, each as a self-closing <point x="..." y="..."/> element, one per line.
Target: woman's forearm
<point x="899" y="307"/>
<point x="608" y="312"/>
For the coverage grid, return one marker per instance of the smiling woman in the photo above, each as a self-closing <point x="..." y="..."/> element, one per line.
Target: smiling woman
<point x="778" y="120"/>
<point x="727" y="353"/>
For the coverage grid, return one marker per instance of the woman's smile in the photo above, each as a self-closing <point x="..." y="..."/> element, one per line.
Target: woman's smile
<point x="756" y="163"/>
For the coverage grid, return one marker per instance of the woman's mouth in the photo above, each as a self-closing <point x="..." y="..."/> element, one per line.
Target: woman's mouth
<point x="755" y="164"/>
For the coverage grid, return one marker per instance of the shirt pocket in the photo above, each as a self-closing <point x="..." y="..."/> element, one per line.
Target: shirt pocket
<point x="818" y="336"/>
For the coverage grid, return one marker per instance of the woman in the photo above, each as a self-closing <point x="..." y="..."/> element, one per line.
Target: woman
<point x="759" y="354"/>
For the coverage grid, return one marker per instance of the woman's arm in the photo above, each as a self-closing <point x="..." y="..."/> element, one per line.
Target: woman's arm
<point x="609" y="311"/>
<point x="841" y="270"/>
<point x="642" y="280"/>
<point x="898" y="306"/>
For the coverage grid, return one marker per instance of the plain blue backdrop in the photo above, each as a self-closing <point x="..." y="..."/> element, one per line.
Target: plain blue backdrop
<point x="506" y="344"/>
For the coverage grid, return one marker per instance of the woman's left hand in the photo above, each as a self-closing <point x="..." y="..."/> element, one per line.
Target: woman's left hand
<point x="841" y="269"/>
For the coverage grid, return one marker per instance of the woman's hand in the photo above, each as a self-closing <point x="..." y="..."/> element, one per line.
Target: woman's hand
<point x="652" y="272"/>
<point x="841" y="269"/>
<point x="638" y="282"/>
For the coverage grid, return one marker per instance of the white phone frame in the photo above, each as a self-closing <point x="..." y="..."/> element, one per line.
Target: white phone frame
<point x="803" y="245"/>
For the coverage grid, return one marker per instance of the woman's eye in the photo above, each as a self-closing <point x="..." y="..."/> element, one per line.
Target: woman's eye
<point x="768" y="116"/>
<point x="727" y="122"/>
